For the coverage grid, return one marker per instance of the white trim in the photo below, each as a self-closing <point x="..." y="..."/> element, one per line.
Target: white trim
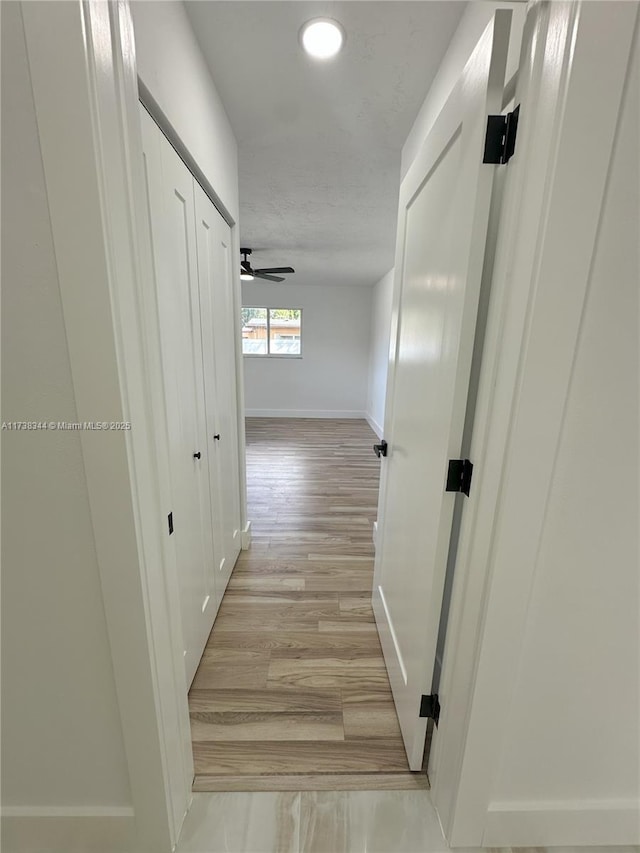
<point x="66" y="811"/>
<point x="45" y="829"/>
<point x="246" y="537"/>
<point x="157" y="114"/>
<point x="305" y="413"/>
<point x="585" y="822"/>
<point x="374" y="533"/>
<point x="375" y="426"/>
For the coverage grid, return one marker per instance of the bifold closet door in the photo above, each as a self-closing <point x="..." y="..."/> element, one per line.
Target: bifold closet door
<point x="171" y="208"/>
<point x="215" y="274"/>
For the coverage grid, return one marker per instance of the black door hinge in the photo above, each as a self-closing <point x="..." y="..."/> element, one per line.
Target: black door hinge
<point x="459" y="476"/>
<point x="170" y="523"/>
<point x="430" y="707"/>
<point x="500" y="141"/>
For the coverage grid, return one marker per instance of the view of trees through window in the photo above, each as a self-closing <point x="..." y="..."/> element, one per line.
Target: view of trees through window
<point x="271" y="331"/>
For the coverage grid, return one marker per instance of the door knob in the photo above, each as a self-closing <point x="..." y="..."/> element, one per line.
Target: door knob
<point x="380" y="449"/>
<point x="217" y="436"/>
<point x="197" y="455"/>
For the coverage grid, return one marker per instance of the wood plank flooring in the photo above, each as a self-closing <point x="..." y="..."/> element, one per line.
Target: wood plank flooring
<point x="292" y="692"/>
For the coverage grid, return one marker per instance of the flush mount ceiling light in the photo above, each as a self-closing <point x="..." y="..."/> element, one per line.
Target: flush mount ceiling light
<point x="322" y="38"/>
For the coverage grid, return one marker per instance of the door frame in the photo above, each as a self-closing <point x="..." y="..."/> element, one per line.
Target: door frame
<point x="84" y="77"/>
<point x="487" y="618"/>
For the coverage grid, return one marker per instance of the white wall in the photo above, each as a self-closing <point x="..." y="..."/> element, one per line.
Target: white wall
<point x="381" y="298"/>
<point x="573" y="731"/>
<point x="62" y="743"/>
<point x="171" y="66"/>
<point x="474" y="21"/>
<point x="330" y="380"/>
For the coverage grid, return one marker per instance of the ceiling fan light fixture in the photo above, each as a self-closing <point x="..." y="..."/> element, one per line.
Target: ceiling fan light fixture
<point x="248" y="273"/>
<point x="322" y="38"/>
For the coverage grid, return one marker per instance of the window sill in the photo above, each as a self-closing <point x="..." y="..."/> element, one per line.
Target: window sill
<point x="254" y="355"/>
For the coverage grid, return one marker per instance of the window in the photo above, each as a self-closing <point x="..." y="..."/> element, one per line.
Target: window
<point x="271" y="331"/>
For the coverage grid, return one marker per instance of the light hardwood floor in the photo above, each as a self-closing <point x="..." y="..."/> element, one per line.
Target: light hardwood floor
<point x="292" y="691"/>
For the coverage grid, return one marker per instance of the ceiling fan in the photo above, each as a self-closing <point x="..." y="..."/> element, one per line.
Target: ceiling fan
<point x="247" y="273"/>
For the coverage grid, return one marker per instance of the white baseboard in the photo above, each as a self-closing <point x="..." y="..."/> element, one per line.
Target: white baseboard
<point x="304" y="413"/>
<point x="375" y="426"/>
<point x="246" y="537"/>
<point x="579" y="822"/>
<point x="27" y="829"/>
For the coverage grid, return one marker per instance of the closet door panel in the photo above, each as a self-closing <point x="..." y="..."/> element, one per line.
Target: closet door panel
<point x="226" y="325"/>
<point x="171" y="208"/>
<point x="218" y="326"/>
<point x="205" y="238"/>
<point x="181" y="297"/>
<point x="152" y="160"/>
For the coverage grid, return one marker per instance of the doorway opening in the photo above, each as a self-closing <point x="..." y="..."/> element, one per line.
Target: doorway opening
<point x="292" y="690"/>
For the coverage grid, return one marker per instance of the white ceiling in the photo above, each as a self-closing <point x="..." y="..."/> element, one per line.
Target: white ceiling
<point x="320" y="142"/>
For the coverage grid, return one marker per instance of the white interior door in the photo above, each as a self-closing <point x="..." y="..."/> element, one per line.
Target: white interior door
<point x="171" y="205"/>
<point x="215" y="271"/>
<point x="442" y="227"/>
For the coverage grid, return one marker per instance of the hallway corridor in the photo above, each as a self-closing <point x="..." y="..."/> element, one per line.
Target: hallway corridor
<point x="292" y="682"/>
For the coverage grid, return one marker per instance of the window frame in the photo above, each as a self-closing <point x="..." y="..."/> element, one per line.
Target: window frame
<point x="269" y="354"/>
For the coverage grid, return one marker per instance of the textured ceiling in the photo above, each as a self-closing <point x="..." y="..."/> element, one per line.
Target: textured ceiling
<point x="319" y="142"/>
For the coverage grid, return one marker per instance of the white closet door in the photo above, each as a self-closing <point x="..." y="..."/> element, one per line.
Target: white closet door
<point x="170" y="191"/>
<point x="215" y="271"/>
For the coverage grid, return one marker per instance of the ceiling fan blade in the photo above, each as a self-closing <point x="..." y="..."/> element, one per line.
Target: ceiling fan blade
<point x="258" y="274"/>
<point x="276" y="269"/>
